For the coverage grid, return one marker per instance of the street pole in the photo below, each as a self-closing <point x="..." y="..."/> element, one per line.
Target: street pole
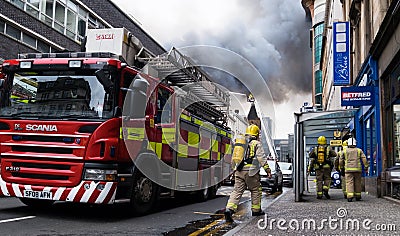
<point x="299" y="158"/>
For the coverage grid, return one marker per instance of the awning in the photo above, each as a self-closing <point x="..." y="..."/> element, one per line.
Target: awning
<point x="326" y="121"/>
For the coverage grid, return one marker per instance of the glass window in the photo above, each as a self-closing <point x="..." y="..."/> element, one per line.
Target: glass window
<point x="42" y="47"/>
<point x="318" y="81"/>
<point x="47" y="20"/>
<point x="59" y="27"/>
<point x="29" y="40"/>
<point x="2" y="26"/>
<point x="318" y="42"/>
<point x="92" y="23"/>
<point x="13" y="32"/>
<point x="72" y="6"/>
<point x="60" y="13"/>
<point x="396" y="129"/>
<point x="81" y="27"/>
<point x="71" y="21"/>
<point x="49" y="7"/>
<point x="18" y="3"/>
<point x="32" y="10"/>
<point x="164" y="109"/>
<point x="34" y="3"/>
<point x="82" y="13"/>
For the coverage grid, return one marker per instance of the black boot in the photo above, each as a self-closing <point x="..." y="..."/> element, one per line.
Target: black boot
<point x="349" y="199"/>
<point x="228" y="215"/>
<point x="319" y="197"/>
<point x="327" y="194"/>
<point x="257" y="213"/>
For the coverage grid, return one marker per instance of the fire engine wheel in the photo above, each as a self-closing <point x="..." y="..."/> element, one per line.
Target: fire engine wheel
<point x="36" y="203"/>
<point x="145" y="194"/>
<point x="203" y="195"/>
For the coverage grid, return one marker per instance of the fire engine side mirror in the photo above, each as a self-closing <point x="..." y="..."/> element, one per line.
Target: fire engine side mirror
<point x="136" y="98"/>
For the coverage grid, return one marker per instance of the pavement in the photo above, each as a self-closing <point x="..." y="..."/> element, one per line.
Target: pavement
<point x="336" y="216"/>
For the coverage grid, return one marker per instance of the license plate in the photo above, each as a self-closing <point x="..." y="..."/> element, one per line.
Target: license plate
<point x="38" y="194"/>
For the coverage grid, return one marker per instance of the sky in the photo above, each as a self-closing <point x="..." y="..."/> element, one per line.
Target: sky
<point x="273" y="35"/>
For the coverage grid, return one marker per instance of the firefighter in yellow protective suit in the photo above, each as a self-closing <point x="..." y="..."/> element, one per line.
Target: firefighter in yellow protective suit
<point x="351" y="162"/>
<point x="248" y="176"/>
<point x="340" y="169"/>
<point x="321" y="159"/>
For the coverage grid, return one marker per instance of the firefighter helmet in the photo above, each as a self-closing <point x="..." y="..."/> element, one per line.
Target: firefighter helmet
<point x="345" y="143"/>
<point x="253" y="130"/>
<point x="352" y="142"/>
<point x="321" y="140"/>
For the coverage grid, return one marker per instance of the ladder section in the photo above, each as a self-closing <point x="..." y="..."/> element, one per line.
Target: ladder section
<point x="206" y="99"/>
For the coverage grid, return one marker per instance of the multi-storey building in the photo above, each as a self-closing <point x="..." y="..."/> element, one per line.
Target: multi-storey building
<point x="60" y="25"/>
<point x="374" y="56"/>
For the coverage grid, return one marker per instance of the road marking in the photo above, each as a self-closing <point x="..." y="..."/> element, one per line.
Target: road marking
<point x="17" y="219"/>
<point x="207" y="213"/>
<point x="205" y="228"/>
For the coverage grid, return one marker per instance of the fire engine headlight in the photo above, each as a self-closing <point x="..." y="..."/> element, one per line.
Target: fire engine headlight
<point x="74" y="64"/>
<point x="100" y="175"/>
<point x="25" y="65"/>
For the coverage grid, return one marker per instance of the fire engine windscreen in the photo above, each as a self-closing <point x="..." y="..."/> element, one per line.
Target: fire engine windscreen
<point x="56" y="94"/>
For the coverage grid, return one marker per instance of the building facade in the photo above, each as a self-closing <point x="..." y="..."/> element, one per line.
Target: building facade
<point x="60" y="25"/>
<point x="374" y="56"/>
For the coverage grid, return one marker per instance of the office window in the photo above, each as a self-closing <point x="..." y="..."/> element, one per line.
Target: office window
<point x="29" y="40"/>
<point x="32" y="7"/>
<point x="72" y="6"/>
<point x="71" y="21"/>
<point x="318" y="81"/>
<point x="318" y="30"/>
<point x="34" y="3"/>
<point x="49" y="7"/>
<point x="2" y="23"/>
<point x="60" y="13"/>
<point x="18" y="3"/>
<point x="13" y="32"/>
<point x="42" y="47"/>
<point x="81" y="27"/>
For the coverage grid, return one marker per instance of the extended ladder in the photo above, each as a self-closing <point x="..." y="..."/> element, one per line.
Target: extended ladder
<point x="211" y="101"/>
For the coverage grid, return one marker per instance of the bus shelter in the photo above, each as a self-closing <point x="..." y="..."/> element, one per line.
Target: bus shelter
<point x="309" y="126"/>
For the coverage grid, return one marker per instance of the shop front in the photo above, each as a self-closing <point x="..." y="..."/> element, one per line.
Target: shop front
<point x="366" y="126"/>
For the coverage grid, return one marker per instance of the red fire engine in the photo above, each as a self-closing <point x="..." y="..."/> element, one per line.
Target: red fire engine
<point x="87" y="127"/>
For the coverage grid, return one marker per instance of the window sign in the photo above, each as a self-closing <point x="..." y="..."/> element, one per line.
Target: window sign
<point x="341" y="53"/>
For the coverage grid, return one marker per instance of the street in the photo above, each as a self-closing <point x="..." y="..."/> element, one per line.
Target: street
<point x="175" y="217"/>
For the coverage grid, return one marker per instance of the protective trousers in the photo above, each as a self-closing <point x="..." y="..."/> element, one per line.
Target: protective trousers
<point x="353" y="184"/>
<point x="323" y="180"/>
<point x="344" y="186"/>
<point x="243" y="181"/>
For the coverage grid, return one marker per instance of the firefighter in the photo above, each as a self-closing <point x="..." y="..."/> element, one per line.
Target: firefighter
<point x="248" y="176"/>
<point x="321" y="160"/>
<point x="351" y="162"/>
<point x="341" y="170"/>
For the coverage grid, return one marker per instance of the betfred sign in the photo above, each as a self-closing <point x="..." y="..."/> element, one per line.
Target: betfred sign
<point x="357" y="96"/>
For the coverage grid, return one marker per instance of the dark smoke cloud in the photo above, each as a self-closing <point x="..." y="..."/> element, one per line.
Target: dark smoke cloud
<point x="274" y="38"/>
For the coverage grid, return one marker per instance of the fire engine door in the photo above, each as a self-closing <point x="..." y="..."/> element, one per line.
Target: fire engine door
<point x="165" y="126"/>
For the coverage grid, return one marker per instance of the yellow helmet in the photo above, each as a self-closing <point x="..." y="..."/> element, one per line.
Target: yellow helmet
<point x="344" y="144"/>
<point x="253" y="130"/>
<point x="321" y="140"/>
